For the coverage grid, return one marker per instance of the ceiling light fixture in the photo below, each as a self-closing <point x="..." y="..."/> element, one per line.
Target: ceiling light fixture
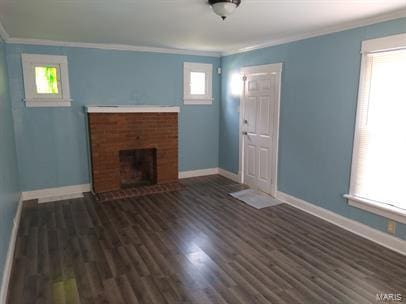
<point x="224" y="8"/>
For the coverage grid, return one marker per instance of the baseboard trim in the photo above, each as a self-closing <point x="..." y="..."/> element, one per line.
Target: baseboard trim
<point x="10" y="253"/>
<point x="230" y="175"/>
<point x="70" y="192"/>
<point x="53" y="194"/>
<point x="61" y="197"/>
<point x="210" y="171"/>
<point x="196" y="173"/>
<point x="379" y="237"/>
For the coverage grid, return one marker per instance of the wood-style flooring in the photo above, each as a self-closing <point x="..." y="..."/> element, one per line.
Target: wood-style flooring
<point x="197" y="245"/>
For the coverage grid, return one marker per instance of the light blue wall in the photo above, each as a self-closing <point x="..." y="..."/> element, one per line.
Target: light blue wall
<point x="318" y="105"/>
<point x="319" y="92"/>
<point x="9" y="188"/>
<point x="52" y="142"/>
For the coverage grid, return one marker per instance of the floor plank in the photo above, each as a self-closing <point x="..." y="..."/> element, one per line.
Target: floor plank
<point x="196" y="245"/>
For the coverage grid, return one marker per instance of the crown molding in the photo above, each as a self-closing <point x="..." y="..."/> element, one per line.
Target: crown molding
<point x="124" y="47"/>
<point x="115" y="47"/>
<point x="3" y="33"/>
<point x="329" y="30"/>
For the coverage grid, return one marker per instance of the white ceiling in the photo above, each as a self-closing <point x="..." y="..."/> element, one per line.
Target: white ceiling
<point x="184" y="24"/>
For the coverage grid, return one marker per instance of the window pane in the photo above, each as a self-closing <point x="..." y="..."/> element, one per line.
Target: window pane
<point x="197" y="83"/>
<point x="46" y="80"/>
<point x="381" y="165"/>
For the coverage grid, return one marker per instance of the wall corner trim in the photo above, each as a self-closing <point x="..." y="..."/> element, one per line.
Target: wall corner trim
<point x="230" y="175"/>
<point x="10" y="253"/>
<point x="199" y="172"/>
<point x="381" y="238"/>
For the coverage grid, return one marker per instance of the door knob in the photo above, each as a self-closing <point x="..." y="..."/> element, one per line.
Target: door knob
<point x="244" y="133"/>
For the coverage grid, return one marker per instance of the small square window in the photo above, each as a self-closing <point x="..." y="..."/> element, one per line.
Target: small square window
<point x="46" y="82"/>
<point x="197" y="83"/>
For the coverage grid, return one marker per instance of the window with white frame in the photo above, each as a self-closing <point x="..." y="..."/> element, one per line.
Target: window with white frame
<point x="379" y="156"/>
<point x="197" y="86"/>
<point x="46" y="81"/>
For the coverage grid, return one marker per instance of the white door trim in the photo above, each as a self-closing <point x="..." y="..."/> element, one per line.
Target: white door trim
<point x="260" y="69"/>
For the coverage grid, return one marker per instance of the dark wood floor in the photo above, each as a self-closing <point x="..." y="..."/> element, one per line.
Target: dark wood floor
<point x="197" y="245"/>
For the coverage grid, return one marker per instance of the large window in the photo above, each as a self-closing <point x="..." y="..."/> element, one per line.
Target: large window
<point x="378" y="177"/>
<point x="46" y="80"/>
<point x="197" y="83"/>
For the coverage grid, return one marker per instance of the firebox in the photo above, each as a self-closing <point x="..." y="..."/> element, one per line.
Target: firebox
<point x="137" y="167"/>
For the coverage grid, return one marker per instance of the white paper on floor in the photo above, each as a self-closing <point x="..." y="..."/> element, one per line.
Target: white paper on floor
<point x="256" y="198"/>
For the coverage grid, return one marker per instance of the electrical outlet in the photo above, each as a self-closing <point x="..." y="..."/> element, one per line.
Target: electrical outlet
<point x="391" y="228"/>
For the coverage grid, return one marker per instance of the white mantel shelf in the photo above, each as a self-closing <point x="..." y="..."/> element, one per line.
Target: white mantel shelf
<point x="132" y="109"/>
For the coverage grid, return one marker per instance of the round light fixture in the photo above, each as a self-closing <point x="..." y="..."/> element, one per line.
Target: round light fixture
<point x="224" y="8"/>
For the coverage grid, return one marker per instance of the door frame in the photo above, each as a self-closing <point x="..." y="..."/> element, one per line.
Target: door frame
<point x="275" y="68"/>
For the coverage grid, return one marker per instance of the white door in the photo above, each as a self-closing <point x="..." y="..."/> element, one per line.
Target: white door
<point x="259" y="126"/>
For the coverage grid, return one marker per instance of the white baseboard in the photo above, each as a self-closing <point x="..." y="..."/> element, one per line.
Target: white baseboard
<point x="230" y="175"/>
<point x="54" y="194"/>
<point x="384" y="239"/>
<point x="10" y="253"/>
<point x="70" y="192"/>
<point x="61" y="197"/>
<point x="210" y="171"/>
<point x="200" y="172"/>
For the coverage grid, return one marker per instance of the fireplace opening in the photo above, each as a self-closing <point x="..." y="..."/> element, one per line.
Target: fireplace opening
<point x="138" y="167"/>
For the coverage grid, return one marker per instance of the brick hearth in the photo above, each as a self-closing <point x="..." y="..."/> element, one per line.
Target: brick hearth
<point x="111" y="133"/>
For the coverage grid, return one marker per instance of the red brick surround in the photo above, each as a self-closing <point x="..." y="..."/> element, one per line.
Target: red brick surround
<point x="112" y="132"/>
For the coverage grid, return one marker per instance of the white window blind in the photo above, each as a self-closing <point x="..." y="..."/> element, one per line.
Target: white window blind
<point x="379" y="161"/>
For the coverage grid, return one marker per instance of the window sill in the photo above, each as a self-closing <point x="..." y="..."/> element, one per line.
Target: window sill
<point x="44" y="103"/>
<point x="202" y="101"/>
<point x="388" y="211"/>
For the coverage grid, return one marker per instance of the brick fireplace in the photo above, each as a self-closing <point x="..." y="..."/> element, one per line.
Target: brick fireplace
<point x="132" y="146"/>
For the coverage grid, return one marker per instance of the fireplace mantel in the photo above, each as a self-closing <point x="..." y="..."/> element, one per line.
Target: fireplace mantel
<point x="132" y="109"/>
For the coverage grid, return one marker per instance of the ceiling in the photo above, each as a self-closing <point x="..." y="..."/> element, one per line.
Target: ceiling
<point x="185" y="24"/>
